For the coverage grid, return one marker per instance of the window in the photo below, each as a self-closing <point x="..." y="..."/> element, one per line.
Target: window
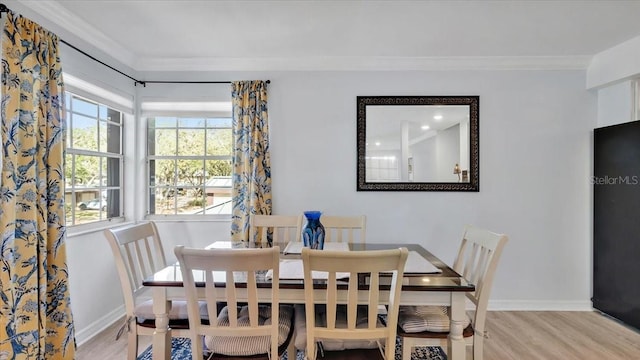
<point x="93" y="162"/>
<point x="189" y="165"/>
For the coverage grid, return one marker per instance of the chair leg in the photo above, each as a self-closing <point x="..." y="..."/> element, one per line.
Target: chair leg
<point x="291" y="350"/>
<point x="132" y="345"/>
<point x="197" y="347"/>
<point x="407" y="346"/>
<point x="310" y="354"/>
<point x="478" y="346"/>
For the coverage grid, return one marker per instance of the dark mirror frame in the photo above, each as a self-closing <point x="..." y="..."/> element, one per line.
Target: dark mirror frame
<point x="474" y="146"/>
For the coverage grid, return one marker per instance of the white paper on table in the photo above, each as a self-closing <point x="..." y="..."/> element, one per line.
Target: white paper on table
<point x="292" y="269"/>
<point x="295" y="247"/>
<point x="416" y="263"/>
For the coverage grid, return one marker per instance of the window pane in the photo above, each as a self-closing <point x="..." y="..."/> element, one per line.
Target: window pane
<point x="191" y="122"/>
<point x="111" y="203"/>
<point x="190" y="142"/>
<point x="164" y="143"/>
<point x="68" y="210"/>
<point x="102" y="133"/>
<point x="164" y="122"/>
<point x="218" y="189"/>
<point x="84" y="133"/>
<point x="218" y="168"/>
<point x="190" y="200"/>
<point x="163" y="172"/>
<point x="113" y="139"/>
<point x="190" y="172"/>
<point x="69" y="126"/>
<point x="90" y="207"/>
<point x="114" y="116"/>
<point x="219" y="123"/>
<point x="84" y="107"/>
<point x="162" y="200"/>
<point x="219" y="142"/>
<point x="102" y="112"/>
<point x="68" y="173"/>
<point x="86" y="171"/>
<point x="112" y="172"/>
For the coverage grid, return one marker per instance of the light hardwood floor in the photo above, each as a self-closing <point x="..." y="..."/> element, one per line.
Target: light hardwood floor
<point x="518" y="335"/>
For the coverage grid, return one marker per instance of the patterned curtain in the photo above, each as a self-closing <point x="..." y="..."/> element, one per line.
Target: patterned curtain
<point x="35" y="316"/>
<point x="251" y="182"/>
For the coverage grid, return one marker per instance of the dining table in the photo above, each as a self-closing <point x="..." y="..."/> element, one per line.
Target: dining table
<point x="427" y="281"/>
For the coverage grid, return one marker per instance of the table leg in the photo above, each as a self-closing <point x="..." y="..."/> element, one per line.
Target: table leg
<point x="161" y="345"/>
<point x="456" y="343"/>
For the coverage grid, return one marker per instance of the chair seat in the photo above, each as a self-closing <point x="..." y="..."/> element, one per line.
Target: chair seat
<point x="341" y="322"/>
<point x="250" y="345"/>
<point x="418" y="319"/>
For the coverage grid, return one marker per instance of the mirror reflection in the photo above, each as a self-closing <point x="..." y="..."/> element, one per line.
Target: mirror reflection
<point x="418" y="143"/>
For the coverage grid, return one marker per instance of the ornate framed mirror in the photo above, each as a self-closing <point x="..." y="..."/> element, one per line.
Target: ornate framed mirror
<point x="418" y="143"/>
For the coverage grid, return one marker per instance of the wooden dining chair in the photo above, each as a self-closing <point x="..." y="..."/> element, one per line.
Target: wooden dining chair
<point x="274" y="228"/>
<point x="138" y="254"/>
<point x="350" y="229"/>
<point x="477" y="261"/>
<point x="343" y="328"/>
<point x="244" y="328"/>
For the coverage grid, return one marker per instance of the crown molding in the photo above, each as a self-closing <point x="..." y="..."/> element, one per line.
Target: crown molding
<point x="365" y="63"/>
<point x="62" y="18"/>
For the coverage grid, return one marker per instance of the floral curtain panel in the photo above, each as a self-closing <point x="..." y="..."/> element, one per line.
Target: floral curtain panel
<point x="251" y="193"/>
<point x="35" y="317"/>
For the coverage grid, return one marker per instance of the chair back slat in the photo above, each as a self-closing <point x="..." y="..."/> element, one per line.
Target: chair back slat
<point x="348" y="229"/>
<point x="374" y="297"/>
<point x="211" y="296"/>
<point x="238" y="271"/>
<point x="278" y="228"/>
<point x="359" y="265"/>
<point x="138" y="254"/>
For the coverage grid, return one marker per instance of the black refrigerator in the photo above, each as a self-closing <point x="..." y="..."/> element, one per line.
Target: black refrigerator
<point x="616" y="222"/>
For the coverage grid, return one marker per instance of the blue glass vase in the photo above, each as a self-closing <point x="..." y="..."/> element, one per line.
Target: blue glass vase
<point x="313" y="231"/>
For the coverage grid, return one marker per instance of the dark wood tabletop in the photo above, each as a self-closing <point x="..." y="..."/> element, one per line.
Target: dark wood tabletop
<point x="446" y="280"/>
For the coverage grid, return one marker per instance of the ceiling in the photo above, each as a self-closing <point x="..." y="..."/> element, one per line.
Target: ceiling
<point x="344" y="35"/>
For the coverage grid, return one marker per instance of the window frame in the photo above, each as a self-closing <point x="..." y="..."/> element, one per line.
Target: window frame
<point x="78" y="228"/>
<point x="181" y="114"/>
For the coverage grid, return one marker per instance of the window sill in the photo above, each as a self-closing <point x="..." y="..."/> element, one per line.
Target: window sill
<point x="189" y="218"/>
<point x="98" y="226"/>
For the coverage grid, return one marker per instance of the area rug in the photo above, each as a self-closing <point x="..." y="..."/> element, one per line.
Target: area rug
<point x="181" y="350"/>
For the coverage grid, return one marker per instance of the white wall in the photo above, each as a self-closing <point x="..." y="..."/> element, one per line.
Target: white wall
<point x="620" y="62"/>
<point x="535" y="129"/>
<point x="615" y="104"/>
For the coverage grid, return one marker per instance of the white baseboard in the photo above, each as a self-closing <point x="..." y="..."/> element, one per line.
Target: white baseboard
<point x="540" y="305"/>
<point x="84" y="335"/>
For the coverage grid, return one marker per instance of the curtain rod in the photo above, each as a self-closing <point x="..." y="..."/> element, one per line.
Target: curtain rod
<point x="4" y="9"/>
